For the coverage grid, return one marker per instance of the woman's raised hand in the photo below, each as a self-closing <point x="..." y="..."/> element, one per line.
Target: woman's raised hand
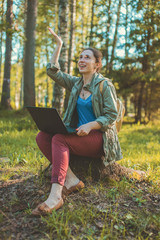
<point x="56" y="37"/>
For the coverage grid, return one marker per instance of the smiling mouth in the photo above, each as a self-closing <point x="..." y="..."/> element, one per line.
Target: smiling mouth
<point x="82" y="66"/>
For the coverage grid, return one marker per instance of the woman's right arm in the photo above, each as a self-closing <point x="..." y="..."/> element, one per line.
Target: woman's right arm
<point x="53" y="70"/>
<point x="56" y="53"/>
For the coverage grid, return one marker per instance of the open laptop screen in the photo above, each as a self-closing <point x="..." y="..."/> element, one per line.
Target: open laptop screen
<point x="48" y="120"/>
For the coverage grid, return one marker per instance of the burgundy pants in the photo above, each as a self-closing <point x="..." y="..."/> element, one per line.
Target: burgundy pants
<point x="58" y="147"/>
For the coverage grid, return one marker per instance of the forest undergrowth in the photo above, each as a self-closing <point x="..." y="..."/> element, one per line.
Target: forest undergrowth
<point x="106" y="209"/>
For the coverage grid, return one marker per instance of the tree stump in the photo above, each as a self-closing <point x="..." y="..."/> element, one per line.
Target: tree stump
<point x="94" y="168"/>
<point x="84" y="166"/>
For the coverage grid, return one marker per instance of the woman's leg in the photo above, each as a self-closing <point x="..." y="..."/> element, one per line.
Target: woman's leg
<point x="44" y="143"/>
<point x="54" y="200"/>
<point x="71" y="179"/>
<point x="90" y="146"/>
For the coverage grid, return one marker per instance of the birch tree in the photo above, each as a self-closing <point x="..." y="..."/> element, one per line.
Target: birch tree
<point x="71" y="45"/>
<point x="58" y="91"/>
<point x="107" y="36"/>
<point x="72" y="36"/>
<point x="92" y="24"/>
<point x="115" y="36"/>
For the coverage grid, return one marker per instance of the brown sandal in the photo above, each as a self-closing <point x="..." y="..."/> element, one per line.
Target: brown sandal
<point x="43" y="209"/>
<point x="75" y="188"/>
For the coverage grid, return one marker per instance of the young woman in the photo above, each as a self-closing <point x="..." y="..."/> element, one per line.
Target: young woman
<point x="92" y="112"/>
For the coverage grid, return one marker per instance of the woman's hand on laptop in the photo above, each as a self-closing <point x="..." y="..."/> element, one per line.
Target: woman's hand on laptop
<point x="84" y="129"/>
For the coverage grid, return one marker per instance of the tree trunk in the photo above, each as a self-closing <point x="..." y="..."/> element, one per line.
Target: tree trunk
<point x="21" y="92"/>
<point x="71" y="47"/>
<point x="140" y="99"/>
<point x="17" y="100"/>
<point x="107" y="37"/>
<point x="47" y="83"/>
<point x="5" y="100"/>
<point x="115" y="36"/>
<point x="91" y="30"/>
<point x="1" y="39"/>
<point x="29" y="54"/>
<point x="93" y="167"/>
<point x="0" y="60"/>
<point x="58" y="91"/>
<point x="146" y="103"/>
<point x="72" y="36"/>
<point x="149" y="101"/>
<point x="126" y="104"/>
<point x="126" y="31"/>
<point x="145" y="69"/>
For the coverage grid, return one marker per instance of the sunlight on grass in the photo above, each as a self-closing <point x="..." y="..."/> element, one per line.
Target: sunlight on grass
<point x="140" y="146"/>
<point x="109" y="211"/>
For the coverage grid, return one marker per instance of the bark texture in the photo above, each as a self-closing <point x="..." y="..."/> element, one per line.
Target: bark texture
<point x="71" y="46"/>
<point x="72" y="36"/>
<point x="126" y="30"/>
<point x="107" y="36"/>
<point x="115" y="35"/>
<point x="29" y="54"/>
<point x="94" y="168"/>
<point x="1" y="39"/>
<point x="5" y="101"/>
<point x="58" y="91"/>
<point x="83" y="166"/>
<point x="91" y="30"/>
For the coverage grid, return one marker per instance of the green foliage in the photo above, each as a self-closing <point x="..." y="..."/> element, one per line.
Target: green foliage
<point x="136" y="55"/>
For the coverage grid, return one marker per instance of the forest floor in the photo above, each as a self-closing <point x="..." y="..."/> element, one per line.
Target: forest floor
<point x="107" y="209"/>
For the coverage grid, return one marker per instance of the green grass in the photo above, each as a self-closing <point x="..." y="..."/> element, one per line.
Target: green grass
<point x="17" y="140"/>
<point x="103" y="210"/>
<point x="141" y="149"/>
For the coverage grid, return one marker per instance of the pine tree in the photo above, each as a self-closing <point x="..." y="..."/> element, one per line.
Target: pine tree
<point x="145" y="38"/>
<point x="1" y="34"/>
<point x="29" y="54"/>
<point x="5" y="100"/>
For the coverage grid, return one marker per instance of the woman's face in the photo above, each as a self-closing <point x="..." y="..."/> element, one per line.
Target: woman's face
<point x="87" y="62"/>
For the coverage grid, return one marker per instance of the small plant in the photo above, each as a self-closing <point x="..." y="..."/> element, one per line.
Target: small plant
<point x="58" y="224"/>
<point x="14" y="200"/>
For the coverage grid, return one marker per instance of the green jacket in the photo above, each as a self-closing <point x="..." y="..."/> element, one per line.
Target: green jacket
<point x="104" y="107"/>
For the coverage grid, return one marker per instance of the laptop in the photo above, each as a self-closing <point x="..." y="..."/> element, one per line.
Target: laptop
<point x="49" y="121"/>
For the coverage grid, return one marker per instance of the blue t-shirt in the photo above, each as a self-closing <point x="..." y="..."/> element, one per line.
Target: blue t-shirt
<point x="85" y="111"/>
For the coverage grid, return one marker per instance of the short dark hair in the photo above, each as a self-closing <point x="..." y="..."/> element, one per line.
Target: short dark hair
<point x="98" y="56"/>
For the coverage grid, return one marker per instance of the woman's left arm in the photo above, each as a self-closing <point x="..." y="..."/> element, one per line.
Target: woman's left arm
<point x="110" y="113"/>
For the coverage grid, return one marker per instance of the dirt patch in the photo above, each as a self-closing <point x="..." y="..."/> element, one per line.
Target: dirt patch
<point x="18" y="196"/>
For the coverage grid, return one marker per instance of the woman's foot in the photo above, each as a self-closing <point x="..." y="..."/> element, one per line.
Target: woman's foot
<point x="43" y="209"/>
<point x="72" y="183"/>
<point x="75" y="188"/>
<point x="53" y="202"/>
